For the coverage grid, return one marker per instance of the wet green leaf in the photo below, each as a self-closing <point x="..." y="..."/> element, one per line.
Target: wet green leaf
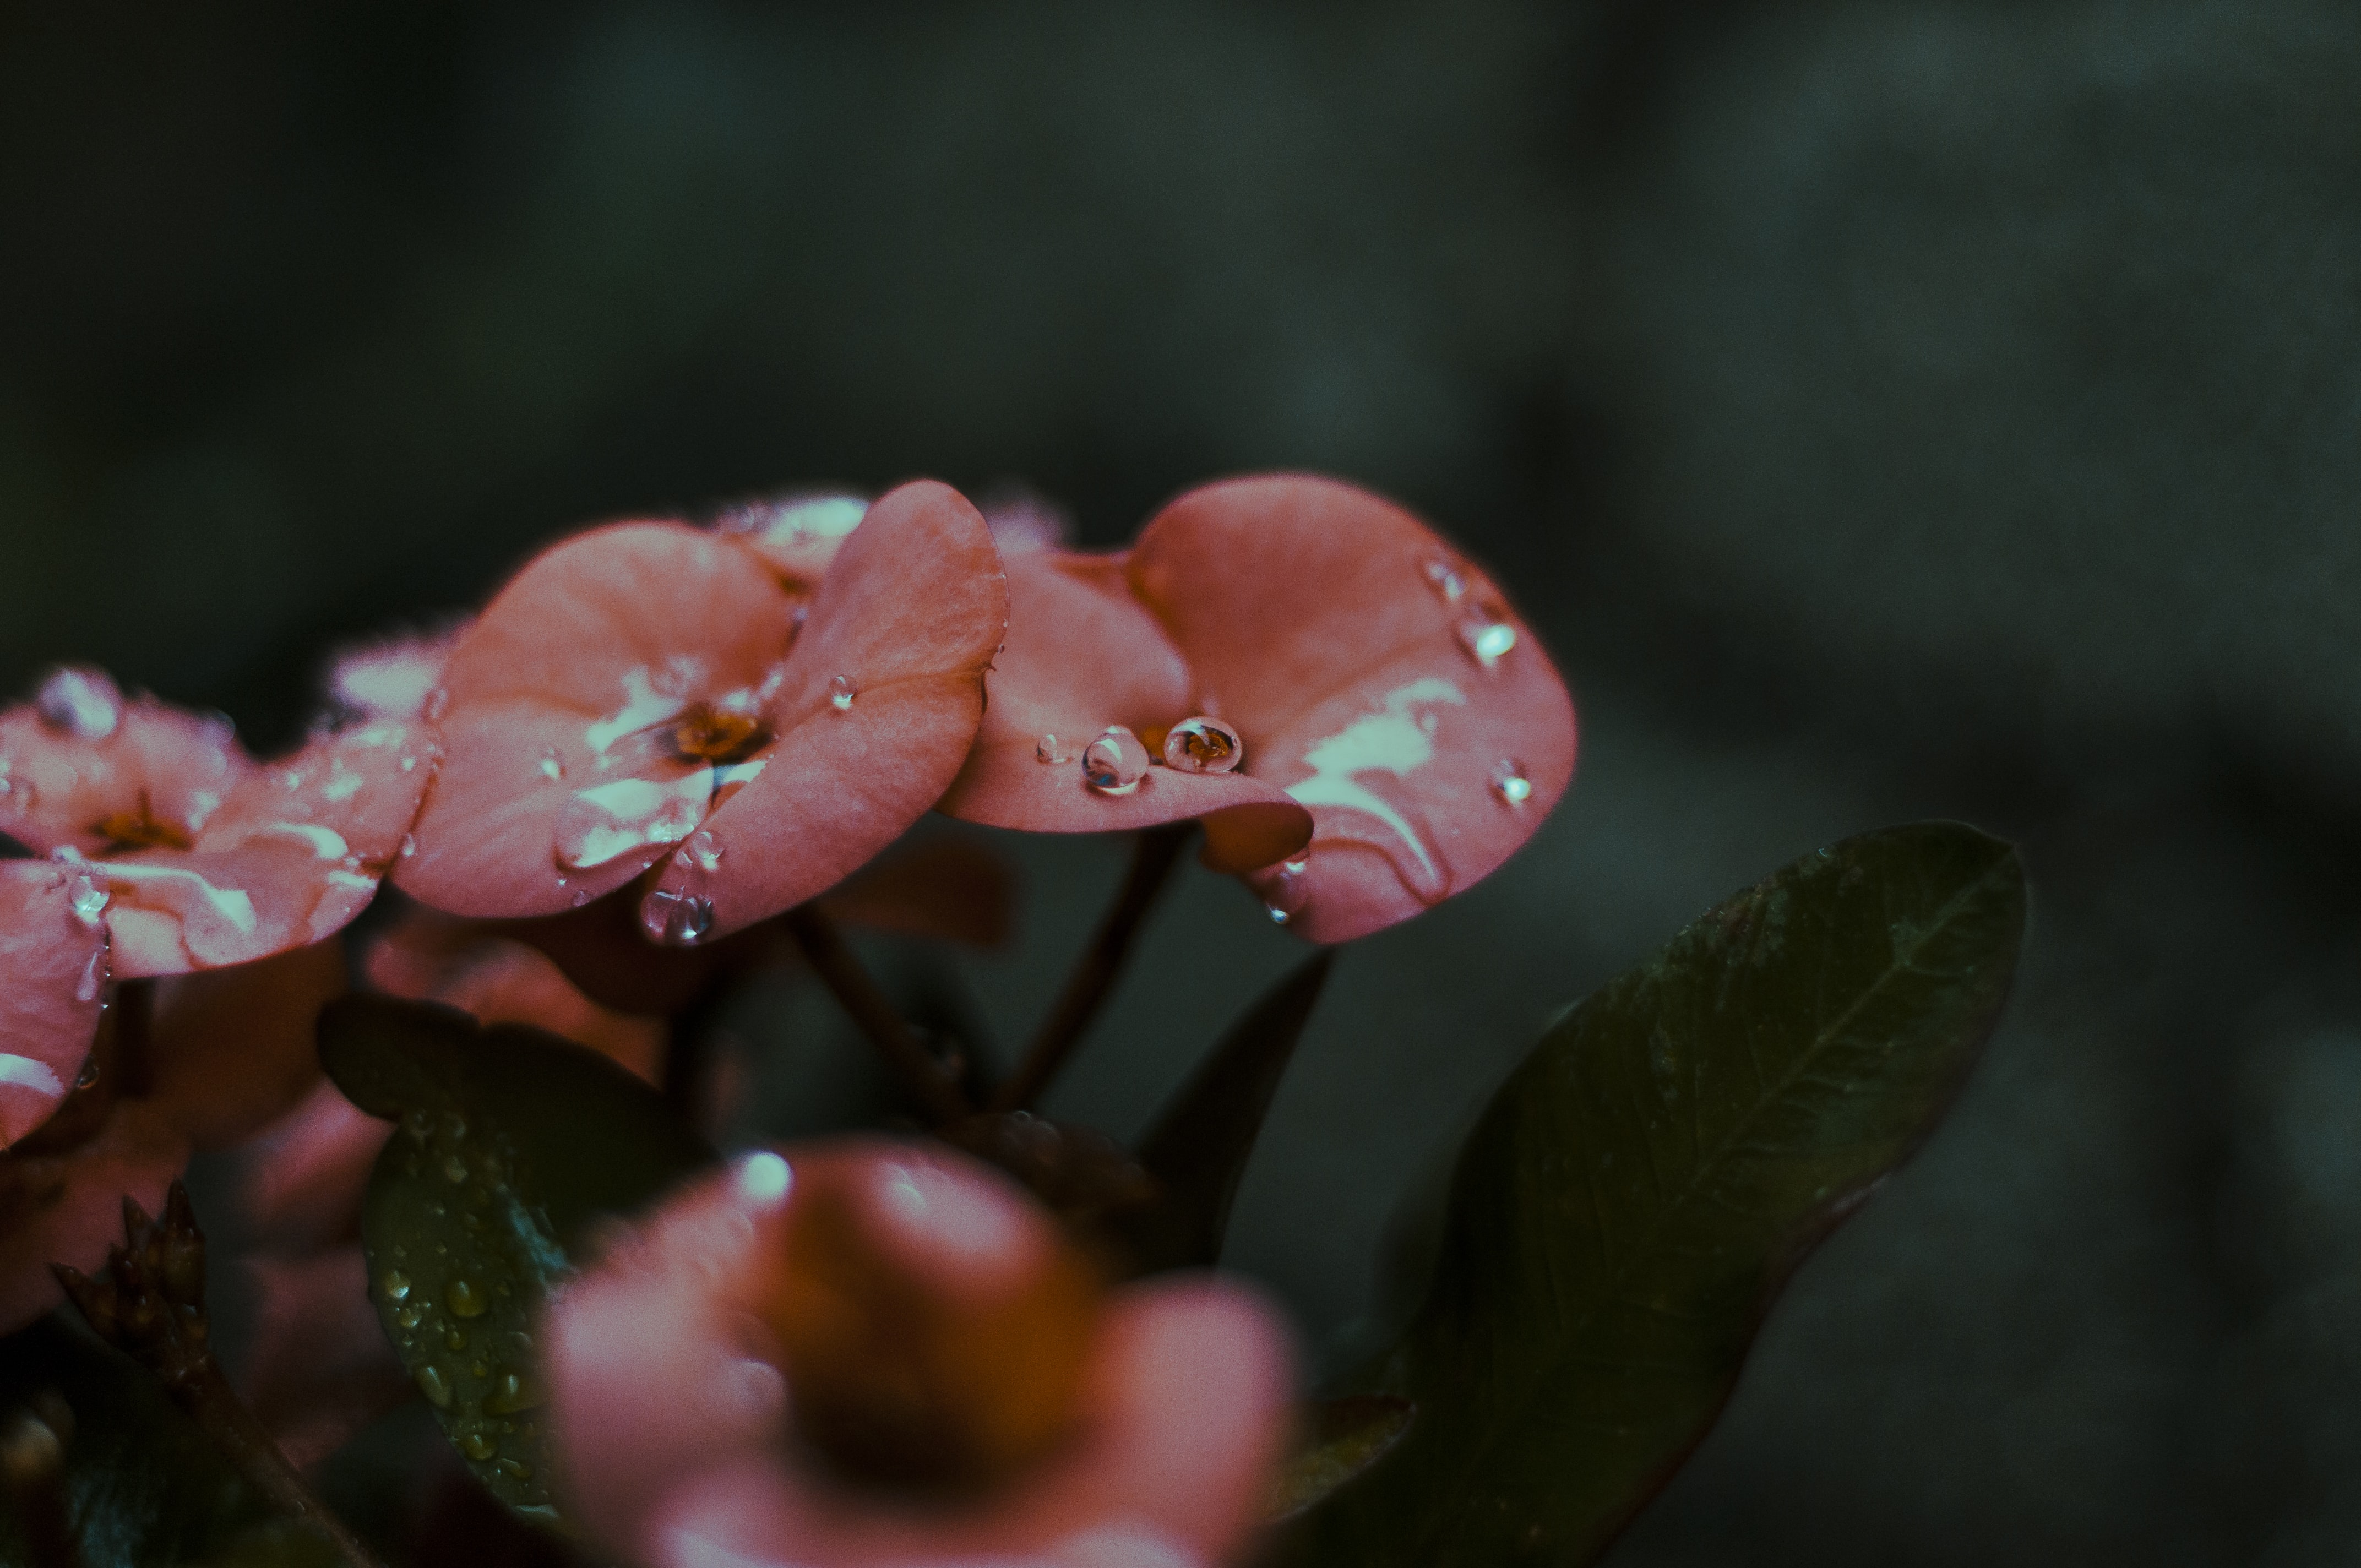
<point x="510" y="1144"/>
<point x="1345" y="1437"/>
<point x="139" y="1483"/>
<point x="1199" y="1147"/>
<point x="1644" y="1183"/>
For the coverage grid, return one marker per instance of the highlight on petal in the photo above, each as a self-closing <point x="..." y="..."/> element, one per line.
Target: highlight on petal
<point x="1084" y="654"/>
<point x="796" y="534"/>
<point x="52" y="971"/>
<point x="392" y="679"/>
<point x="234" y="1048"/>
<point x="900" y="1305"/>
<point x="592" y="715"/>
<point x="1379" y="679"/>
<point x="870" y="718"/>
<point x="66" y="1206"/>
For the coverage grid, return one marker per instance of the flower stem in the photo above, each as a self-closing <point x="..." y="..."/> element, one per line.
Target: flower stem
<point x="860" y="996"/>
<point x="1153" y="856"/>
<point x="150" y="1302"/>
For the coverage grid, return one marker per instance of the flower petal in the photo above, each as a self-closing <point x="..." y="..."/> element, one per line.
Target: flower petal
<point x="52" y="970"/>
<point x="1083" y="654"/>
<point x="302" y="1180"/>
<point x="876" y="709"/>
<point x="235" y="1047"/>
<point x="560" y="669"/>
<point x="57" y="785"/>
<point x="319" y="1368"/>
<point x="1377" y="677"/>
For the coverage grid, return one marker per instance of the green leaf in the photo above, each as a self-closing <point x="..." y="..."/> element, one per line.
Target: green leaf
<point x="140" y="1483"/>
<point x="1345" y="1437"/>
<point x="1197" y="1149"/>
<point x="511" y="1144"/>
<point x="1644" y="1183"/>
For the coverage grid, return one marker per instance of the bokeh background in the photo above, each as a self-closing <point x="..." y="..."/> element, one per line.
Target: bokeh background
<point x="1884" y="410"/>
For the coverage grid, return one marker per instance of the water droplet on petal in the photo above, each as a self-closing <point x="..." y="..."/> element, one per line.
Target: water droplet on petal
<point x="677" y="918"/>
<point x="87" y="897"/>
<point x="1297" y="867"/>
<point x="409" y="845"/>
<point x="581" y="896"/>
<point x="1487" y="640"/>
<point x="705" y="850"/>
<point x="1048" y="750"/>
<point x="841" y="693"/>
<point x="1445" y="579"/>
<point x="1202" y="745"/>
<point x="1115" y="761"/>
<point x="1287" y="894"/>
<point x="93" y="972"/>
<point x="438" y="703"/>
<point x="1510" y="783"/>
<point x="81" y="702"/>
<point x="395" y="1285"/>
<point x="434" y="1385"/>
<point x="553" y="766"/>
<point x="89" y="1073"/>
<point x="464" y="1298"/>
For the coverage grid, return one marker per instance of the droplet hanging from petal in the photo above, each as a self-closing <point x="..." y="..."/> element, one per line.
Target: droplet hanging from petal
<point x="1487" y="640"/>
<point x="1510" y="783"/>
<point x="83" y="703"/>
<point x="841" y="693"/>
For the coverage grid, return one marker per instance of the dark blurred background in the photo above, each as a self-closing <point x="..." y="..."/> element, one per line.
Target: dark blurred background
<point x="1884" y="410"/>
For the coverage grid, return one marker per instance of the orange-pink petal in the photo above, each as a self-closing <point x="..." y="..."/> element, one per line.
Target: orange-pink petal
<point x="597" y="641"/>
<point x="1084" y="654"/>
<point x="67" y="767"/>
<point x="67" y="1207"/>
<point x="873" y="712"/>
<point x="234" y="1048"/>
<point x="319" y="1367"/>
<point x="1379" y="678"/>
<point x="52" y="970"/>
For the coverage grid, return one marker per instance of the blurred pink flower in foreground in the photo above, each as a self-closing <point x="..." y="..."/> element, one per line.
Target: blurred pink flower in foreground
<point x="650" y="695"/>
<point x="883" y="1355"/>
<point x="197" y="855"/>
<point x="1360" y="720"/>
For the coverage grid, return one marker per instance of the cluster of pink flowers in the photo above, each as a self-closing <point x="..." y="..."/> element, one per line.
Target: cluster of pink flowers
<point x="687" y="731"/>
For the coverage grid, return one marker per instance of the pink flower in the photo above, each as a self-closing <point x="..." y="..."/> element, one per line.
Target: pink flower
<point x="218" y="1054"/>
<point x="204" y="858"/>
<point x="1360" y="720"/>
<point x="881" y="1355"/>
<point x="52" y="976"/>
<point x="652" y="695"/>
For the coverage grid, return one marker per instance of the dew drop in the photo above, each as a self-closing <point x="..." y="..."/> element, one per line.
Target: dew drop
<point x="83" y="703"/>
<point x="1286" y="895"/>
<point x="409" y="845"/>
<point x="1487" y="640"/>
<point x="87" y="897"/>
<point x="479" y="1446"/>
<point x="514" y="1469"/>
<point x="409" y="1315"/>
<point x="1445" y="579"/>
<point x="1115" y="761"/>
<point x="705" y="850"/>
<point x="438" y="703"/>
<point x="553" y="766"/>
<point x="395" y="1285"/>
<point x="89" y="1073"/>
<point x="1510" y="783"/>
<point x="675" y="918"/>
<point x="454" y="1340"/>
<point x="513" y="1392"/>
<point x="464" y="1300"/>
<point x="1048" y="750"/>
<point x="581" y="896"/>
<point x="434" y="1385"/>
<point x="841" y="692"/>
<point x="86" y="988"/>
<point x="1202" y="745"/>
